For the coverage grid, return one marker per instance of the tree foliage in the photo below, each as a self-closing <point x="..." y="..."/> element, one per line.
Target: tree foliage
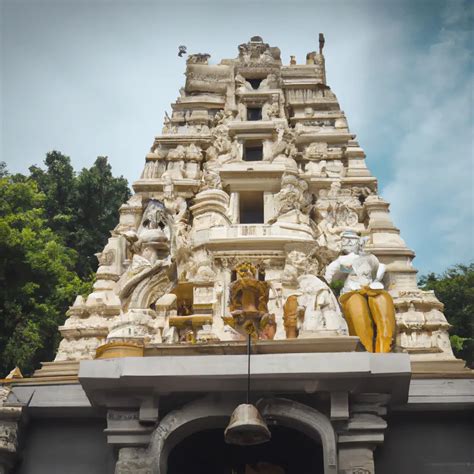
<point x="36" y="274"/>
<point x="51" y="224"/>
<point x="455" y="288"/>
<point x="83" y="208"/>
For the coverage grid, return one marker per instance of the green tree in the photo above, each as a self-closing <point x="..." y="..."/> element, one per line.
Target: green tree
<point x="37" y="278"/>
<point x="82" y="208"/>
<point x="455" y="288"/>
<point x="98" y="198"/>
<point x="51" y="224"/>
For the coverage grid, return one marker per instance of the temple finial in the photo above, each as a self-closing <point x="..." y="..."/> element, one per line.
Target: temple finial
<point x="321" y="43"/>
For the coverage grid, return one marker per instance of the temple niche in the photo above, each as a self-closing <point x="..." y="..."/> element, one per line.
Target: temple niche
<point x="238" y="218"/>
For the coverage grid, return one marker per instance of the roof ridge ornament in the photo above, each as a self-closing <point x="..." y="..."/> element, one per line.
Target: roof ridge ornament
<point x="321" y="42"/>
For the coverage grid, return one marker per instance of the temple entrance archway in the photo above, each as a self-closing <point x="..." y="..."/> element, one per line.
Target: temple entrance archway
<point x="212" y="415"/>
<point x="288" y="452"/>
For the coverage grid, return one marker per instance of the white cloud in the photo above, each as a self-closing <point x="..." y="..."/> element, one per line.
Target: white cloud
<point x="432" y="187"/>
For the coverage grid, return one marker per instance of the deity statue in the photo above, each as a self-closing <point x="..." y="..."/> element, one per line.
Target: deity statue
<point x="248" y="300"/>
<point x="152" y="241"/>
<point x="175" y="168"/>
<point x="292" y="312"/>
<point x="242" y="84"/>
<point x="270" y="82"/>
<point x="313" y="310"/>
<point x="271" y="109"/>
<point x="364" y="301"/>
<point x="150" y="275"/>
<point x="295" y="264"/>
<point x="293" y="195"/>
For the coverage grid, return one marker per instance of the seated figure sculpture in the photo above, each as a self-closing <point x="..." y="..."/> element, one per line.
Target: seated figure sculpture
<point x="313" y="311"/>
<point x="249" y="303"/>
<point x="364" y="301"/>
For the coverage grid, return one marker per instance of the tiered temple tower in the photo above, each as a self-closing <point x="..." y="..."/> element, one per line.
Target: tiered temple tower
<point x="255" y="168"/>
<point x="246" y="201"/>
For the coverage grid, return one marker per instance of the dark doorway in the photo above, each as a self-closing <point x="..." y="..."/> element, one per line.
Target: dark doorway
<point x="253" y="152"/>
<point x="288" y="452"/>
<point x="254" y="113"/>
<point x="251" y="207"/>
<point x="255" y="83"/>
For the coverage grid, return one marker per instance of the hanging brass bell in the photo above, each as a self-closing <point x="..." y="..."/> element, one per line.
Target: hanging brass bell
<point x="246" y="427"/>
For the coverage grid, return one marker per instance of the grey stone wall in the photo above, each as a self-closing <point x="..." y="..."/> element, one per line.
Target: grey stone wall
<point x="59" y="446"/>
<point x="427" y="443"/>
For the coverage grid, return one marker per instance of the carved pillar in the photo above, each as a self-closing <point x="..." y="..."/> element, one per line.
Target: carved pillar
<point x="361" y="433"/>
<point x="132" y="461"/>
<point x="9" y="421"/>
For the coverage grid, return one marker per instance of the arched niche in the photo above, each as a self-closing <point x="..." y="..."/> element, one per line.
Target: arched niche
<point x="209" y="413"/>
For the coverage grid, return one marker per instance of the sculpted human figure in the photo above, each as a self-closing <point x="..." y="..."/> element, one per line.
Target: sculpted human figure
<point x="152" y="240"/>
<point x="241" y="84"/>
<point x="321" y="311"/>
<point x="364" y="301"/>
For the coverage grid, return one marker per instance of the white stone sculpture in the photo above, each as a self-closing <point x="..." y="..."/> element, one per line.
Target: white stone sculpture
<point x="364" y="301"/>
<point x="357" y="268"/>
<point x="322" y="315"/>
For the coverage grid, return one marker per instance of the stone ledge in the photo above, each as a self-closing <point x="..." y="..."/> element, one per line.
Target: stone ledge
<point x="285" y="346"/>
<point x="356" y="372"/>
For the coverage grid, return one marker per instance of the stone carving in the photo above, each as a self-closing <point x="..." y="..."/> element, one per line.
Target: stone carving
<point x="271" y="108"/>
<point x="256" y="51"/>
<point x="284" y="149"/>
<point x="295" y="264"/>
<point x="153" y="238"/>
<point x="292" y="312"/>
<point x="241" y="84"/>
<point x="223" y="117"/>
<point x="336" y="210"/>
<point x="321" y="310"/>
<point x="175" y="168"/>
<point x="201" y="266"/>
<point x="210" y="180"/>
<point x="293" y="195"/>
<point x="248" y="301"/>
<point x="316" y="151"/>
<point x="270" y="82"/>
<point x="106" y="257"/>
<point x="364" y="301"/>
<point x="198" y="58"/>
<point x="325" y="169"/>
<point x="9" y="420"/>
<point x="223" y="147"/>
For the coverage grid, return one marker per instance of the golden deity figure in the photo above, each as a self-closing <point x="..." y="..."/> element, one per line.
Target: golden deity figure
<point x="367" y="307"/>
<point x="248" y="302"/>
<point x="248" y="296"/>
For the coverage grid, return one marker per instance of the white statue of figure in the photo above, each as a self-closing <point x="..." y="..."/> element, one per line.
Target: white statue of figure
<point x="357" y="268"/>
<point x="334" y="169"/>
<point x="295" y="264"/>
<point x="364" y="301"/>
<point x="270" y="82"/>
<point x="321" y="310"/>
<point x="271" y="109"/>
<point x="241" y="84"/>
<point x="316" y="168"/>
<point x="175" y="168"/>
<point x="210" y="180"/>
<point x="152" y="241"/>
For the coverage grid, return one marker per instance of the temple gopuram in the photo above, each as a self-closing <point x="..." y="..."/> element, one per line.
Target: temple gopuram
<point x="255" y="309"/>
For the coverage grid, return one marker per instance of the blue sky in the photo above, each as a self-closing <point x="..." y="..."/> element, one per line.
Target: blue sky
<point x="94" y="77"/>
